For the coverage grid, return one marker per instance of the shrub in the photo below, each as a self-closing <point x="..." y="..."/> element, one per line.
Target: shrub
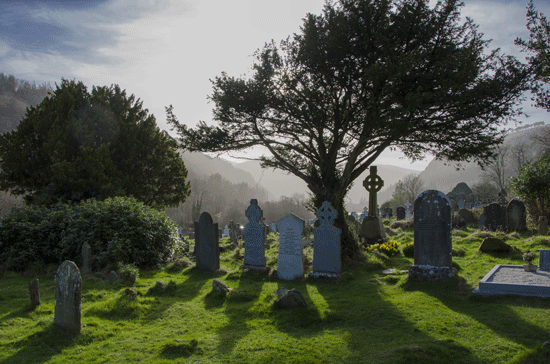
<point x="532" y="185"/>
<point x="408" y="250"/>
<point x="128" y="273"/>
<point x="390" y="248"/>
<point x="119" y="230"/>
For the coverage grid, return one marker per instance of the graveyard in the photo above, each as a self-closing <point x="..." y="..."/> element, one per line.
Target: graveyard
<point x="373" y="312"/>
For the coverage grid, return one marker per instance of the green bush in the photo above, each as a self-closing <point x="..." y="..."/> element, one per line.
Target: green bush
<point x="128" y="274"/>
<point x="532" y="185"/>
<point x="408" y="250"/>
<point x="119" y="230"/>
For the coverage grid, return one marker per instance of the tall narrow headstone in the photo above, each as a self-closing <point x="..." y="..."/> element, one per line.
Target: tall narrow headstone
<point x="432" y="237"/>
<point x="327" y="253"/>
<point x="254" y="250"/>
<point x="481" y="221"/>
<point x="233" y="233"/>
<point x="68" y="291"/>
<point x="34" y="292"/>
<point x="516" y="215"/>
<point x="495" y="217"/>
<point x="371" y="228"/>
<point x="226" y="231"/>
<point x="86" y="257"/>
<point x="290" y="263"/>
<point x="207" y="243"/>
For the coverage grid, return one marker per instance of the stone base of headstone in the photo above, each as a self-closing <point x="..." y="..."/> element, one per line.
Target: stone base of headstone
<point x="323" y="275"/>
<point x="430" y="273"/>
<point x="256" y="268"/>
<point x="372" y="230"/>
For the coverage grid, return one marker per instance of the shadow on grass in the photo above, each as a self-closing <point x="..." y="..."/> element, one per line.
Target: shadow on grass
<point x="494" y="312"/>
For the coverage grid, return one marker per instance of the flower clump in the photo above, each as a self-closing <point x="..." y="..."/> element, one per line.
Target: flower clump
<point x="390" y="248"/>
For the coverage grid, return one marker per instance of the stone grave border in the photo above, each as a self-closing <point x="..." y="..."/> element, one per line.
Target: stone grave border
<point x="489" y="288"/>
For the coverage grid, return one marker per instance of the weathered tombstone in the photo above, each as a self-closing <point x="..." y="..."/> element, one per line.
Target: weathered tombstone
<point x="432" y="237"/>
<point x="254" y="250"/>
<point x="86" y="257"/>
<point x="220" y="233"/>
<point x="543" y="225"/>
<point x="226" y="231"/>
<point x="454" y="206"/>
<point x="400" y="212"/>
<point x="327" y="246"/>
<point x="461" y="204"/>
<point x="495" y="217"/>
<point x="544" y="259"/>
<point x="68" y="290"/>
<point x="290" y="263"/>
<point x="389" y="212"/>
<point x="34" y="292"/>
<point x="516" y="215"/>
<point x="371" y="227"/>
<point x="273" y="227"/>
<point x="207" y="245"/>
<point x="481" y="221"/>
<point x="467" y="216"/>
<point x="233" y="234"/>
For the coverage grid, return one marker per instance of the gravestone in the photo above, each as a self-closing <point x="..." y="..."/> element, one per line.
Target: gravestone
<point x="34" y="293"/>
<point x="495" y="217"/>
<point x="68" y="290"/>
<point x="432" y="237"/>
<point x="481" y="221"/>
<point x="389" y="212"/>
<point x="400" y="212"/>
<point x="516" y="215"/>
<point x="233" y="232"/>
<point x="290" y="263"/>
<point x="543" y="225"/>
<point x="86" y="257"/>
<point x="220" y="233"/>
<point x="454" y="206"/>
<point x="226" y="231"/>
<point x="327" y="260"/>
<point x="371" y="227"/>
<point x="273" y="227"/>
<point x="467" y="216"/>
<point x="254" y="250"/>
<point x="364" y="214"/>
<point x="207" y="245"/>
<point x="544" y="259"/>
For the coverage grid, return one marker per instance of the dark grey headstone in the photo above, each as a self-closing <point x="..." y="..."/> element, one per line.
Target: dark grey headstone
<point x="86" y="258"/>
<point x="290" y="264"/>
<point x="516" y="215"/>
<point x="326" y="242"/>
<point x="254" y="250"/>
<point x="34" y="292"/>
<point x="68" y="290"/>
<point x="467" y="216"/>
<point x="400" y="212"/>
<point x="207" y="246"/>
<point x="432" y="229"/>
<point x="495" y="217"/>
<point x="544" y="259"/>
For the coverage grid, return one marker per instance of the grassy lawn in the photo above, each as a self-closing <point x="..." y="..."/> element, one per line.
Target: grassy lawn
<point x="365" y="317"/>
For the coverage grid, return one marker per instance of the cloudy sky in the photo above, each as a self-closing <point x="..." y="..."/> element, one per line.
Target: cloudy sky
<point x="165" y="52"/>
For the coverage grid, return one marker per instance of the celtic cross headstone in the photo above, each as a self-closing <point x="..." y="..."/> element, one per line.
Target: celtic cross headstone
<point x="254" y="250"/>
<point x="373" y="183"/>
<point x="326" y="243"/>
<point x="371" y="227"/>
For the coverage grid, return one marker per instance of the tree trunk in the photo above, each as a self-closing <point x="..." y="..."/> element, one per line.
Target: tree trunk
<point x="350" y="246"/>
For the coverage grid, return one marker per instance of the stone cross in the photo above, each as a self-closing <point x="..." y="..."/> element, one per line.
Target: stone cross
<point x="254" y="250"/>
<point x="68" y="291"/>
<point x="373" y="183"/>
<point x="326" y="242"/>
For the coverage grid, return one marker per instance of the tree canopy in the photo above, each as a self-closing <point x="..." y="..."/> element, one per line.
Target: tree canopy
<point x="363" y="77"/>
<point x="77" y="145"/>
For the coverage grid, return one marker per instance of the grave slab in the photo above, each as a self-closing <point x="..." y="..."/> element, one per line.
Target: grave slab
<point x="506" y="279"/>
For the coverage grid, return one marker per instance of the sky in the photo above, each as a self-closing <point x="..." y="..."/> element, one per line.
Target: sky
<point x="166" y="52"/>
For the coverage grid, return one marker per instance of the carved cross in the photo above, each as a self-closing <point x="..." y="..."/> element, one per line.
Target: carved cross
<point x="373" y="183"/>
<point x="254" y="213"/>
<point x="326" y="214"/>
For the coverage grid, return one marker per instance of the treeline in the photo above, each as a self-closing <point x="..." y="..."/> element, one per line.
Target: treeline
<point x="15" y="96"/>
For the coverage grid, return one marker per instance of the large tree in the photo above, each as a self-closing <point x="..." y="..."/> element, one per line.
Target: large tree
<point x="77" y="145"/>
<point x="364" y="77"/>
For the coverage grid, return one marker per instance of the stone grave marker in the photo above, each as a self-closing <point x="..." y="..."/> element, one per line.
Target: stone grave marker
<point x="371" y="227"/>
<point x="220" y="233"/>
<point x="233" y="234"/>
<point x="543" y="225"/>
<point x="34" y="293"/>
<point x="544" y="259"/>
<point x="516" y="215"/>
<point x="273" y="227"/>
<point x="207" y="244"/>
<point x="432" y="237"/>
<point x="254" y="250"/>
<point x="86" y="257"/>
<point x="481" y="221"/>
<point x="326" y="243"/>
<point x="467" y="216"/>
<point x="495" y="217"/>
<point x="226" y="231"/>
<point x="400" y="212"/>
<point x="290" y="263"/>
<point x="68" y="291"/>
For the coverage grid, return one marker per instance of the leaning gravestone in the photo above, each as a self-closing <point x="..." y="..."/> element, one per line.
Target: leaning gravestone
<point x="400" y="212"/>
<point x="327" y="260"/>
<point x="432" y="237"/>
<point x="516" y="215"/>
<point x="68" y="289"/>
<point x="86" y="257"/>
<point x="254" y="250"/>
<point x="207" y="245"/>
<point x="495" y="217"/>
<point x="290" y="264"/>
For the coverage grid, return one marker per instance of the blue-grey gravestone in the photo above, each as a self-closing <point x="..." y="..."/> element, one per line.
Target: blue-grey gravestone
<point x="68" y="291"/>
<point x="207" y="244"/>
<point x="516" y="215"/>
<point x="326" y="242"/>
<point x="544" y="259"/>
<point x="254" y="251"/>
<point x="290" y="263"/>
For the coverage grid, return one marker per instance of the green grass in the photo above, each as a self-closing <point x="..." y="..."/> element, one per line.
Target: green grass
<point x="366" y="317"/>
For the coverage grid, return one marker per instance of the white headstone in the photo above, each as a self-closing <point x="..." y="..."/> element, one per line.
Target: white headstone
<point x="226" y="231"/>
<point x="290" y="263"/>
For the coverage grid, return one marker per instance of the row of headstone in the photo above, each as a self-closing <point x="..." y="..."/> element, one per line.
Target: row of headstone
<point x="495" y="217"/>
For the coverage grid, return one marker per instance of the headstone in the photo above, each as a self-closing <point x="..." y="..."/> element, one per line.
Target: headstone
<point x="400" y="211"/>
<point x="432" y="237"/>
<point x="326" y="243"/>
<point x="544" y="259"/>
<point x="371" y="228"/>
<point x="290" y="262"/>
<point x="460" y="204"/>
<point x="481" y="221"/>
<point x="516" y="215"/>
<point x="454" y="206"/>
<point x="68" y="290"/>
<point x="273" y="227"/>
<point x="467" y="216"/>
<point x="233" y="232"/>
<point x="495" y="217"/>
<point x="86" y="257"/>
<point x="364" y="214"/>
<point x="254" y="250"/>
<point x="543" y="225"/>
<point x="408" y="212"/>
<point x="220" y="233"/>
<point x="34" y="293"/>
<point x="226" y="231"/>
<point x="207" y="245"/>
